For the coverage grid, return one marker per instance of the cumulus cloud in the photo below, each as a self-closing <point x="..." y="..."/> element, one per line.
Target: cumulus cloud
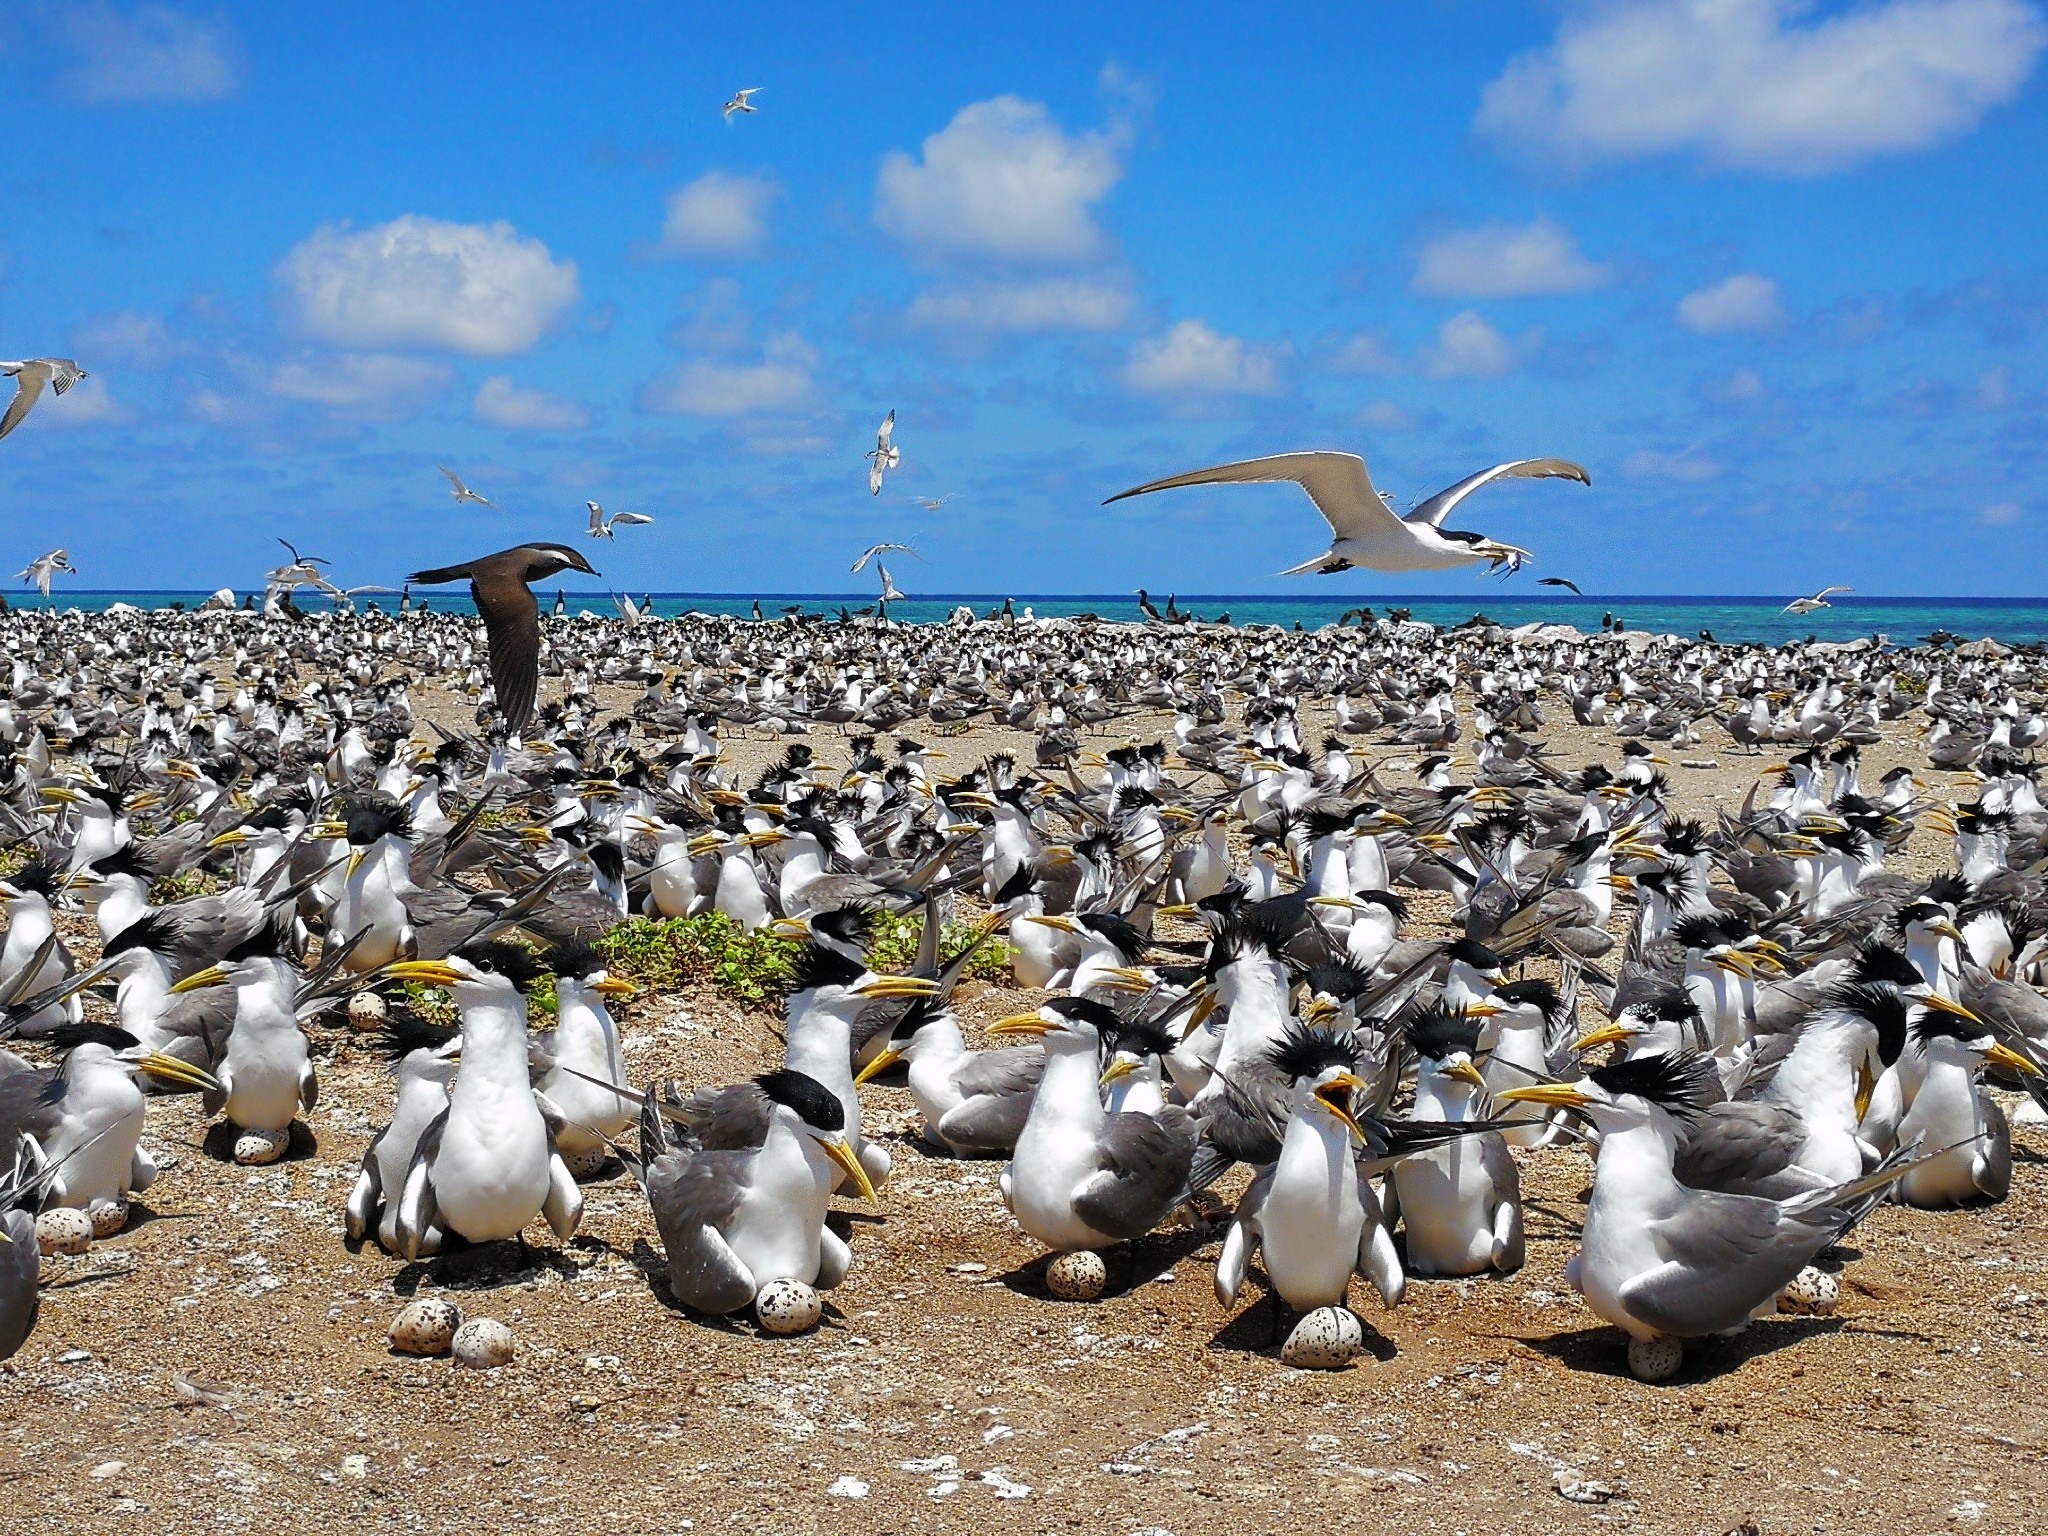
<point x="1385" y="416"/>
<point x="1367" y="352"/>
<point x="1469" y="348"/>
<point x="710" y="386"/>
<point x="1054" y="304"/>
<point x="1192" y="359"/>
<point x="150" y="54"/>
<point x="374" y="386"/>
<point x="1760" y="84"/>
<point x="480" y="289"/>
<point x="135" y="341"/>
<point x="1685" y="465"/>
<point x="1002" y="179"/>
<point x="2003" y="515"/>
<point x="1499" y="260"/>
<point x="87" y="403"/>
<point x="1744" y="302"/>
<point x="501" y="403"/>
<point x="718" y="215"/>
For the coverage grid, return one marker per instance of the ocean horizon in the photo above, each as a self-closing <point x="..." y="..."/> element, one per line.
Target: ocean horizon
<point x="1739" y="619"/>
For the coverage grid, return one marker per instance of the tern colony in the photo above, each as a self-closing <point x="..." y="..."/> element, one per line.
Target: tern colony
<point x="1206" y="861"/>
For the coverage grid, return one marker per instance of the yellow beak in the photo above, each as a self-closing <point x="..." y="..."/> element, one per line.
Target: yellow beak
<point x="1123" y="1066"/>
<point x="1949" y="1005"/>
<point x="212" y="976"/>
<point x="882" y="1062"/>
<point x="233" y="837"/>
<point x="1606" y="1034"/>
<point x="1025" y="1025"/>
<point x="2010" y="1059"/>
<point x="615" y="986"/>
<point x="899" y="986"/>
<point x="1465" y="1072"/>
<point x="840" y="1150"/>
<point x="1053" y="920"/>
<point x="169" y="1069"/>
<point x="428" y="973"/>
<point x="1557" y="1095"/>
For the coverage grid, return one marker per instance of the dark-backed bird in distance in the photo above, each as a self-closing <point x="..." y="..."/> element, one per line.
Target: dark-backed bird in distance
<point x="1559" y="581"/>
<point x="500" y="586"/>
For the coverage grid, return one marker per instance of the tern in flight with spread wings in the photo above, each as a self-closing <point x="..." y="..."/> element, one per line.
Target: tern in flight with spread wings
<point x="1368" y="533"/>
<point x="601" y="526"/>
<point x="884" y="456"/>
<point x="875" y="549"/>
<point x="1818" y="600"/>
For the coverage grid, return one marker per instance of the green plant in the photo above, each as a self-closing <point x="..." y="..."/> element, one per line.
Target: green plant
<point x="669" y="952"/>
<point x="895" y="946"/>
<point x="190" y="882"/>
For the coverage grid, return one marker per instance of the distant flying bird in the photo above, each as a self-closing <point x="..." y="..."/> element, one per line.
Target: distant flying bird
<point x="885" y="455"/>
<point x="1818" y="600"/>
<point x="346" y="597"/>
<point x="60" y="373"/>
<point x="1367" y="531"/>
<point x="741" y="103"/>
<point x="933" y="503"/>
<point x="1559" y="581"/>
<point x="601" y="526"/>
<point x="499" y="585"/>
<point x="875" y="549"/>
<point x="889" y="592"/>
<point x="43" y="567"/>
<point x="462" y="492"/>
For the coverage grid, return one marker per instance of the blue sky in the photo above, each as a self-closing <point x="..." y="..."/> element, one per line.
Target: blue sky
<point x="1775" y="272"/>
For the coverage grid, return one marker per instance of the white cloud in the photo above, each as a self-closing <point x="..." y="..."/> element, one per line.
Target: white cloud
<point x="707" y="386"/>
<point x="718" y="215"/>
<point x="1754" y="85"/>
<point x="501" y="403"/>
<point x="1468" y="348"/>
<point x="132" y="340"/>
<point x="372" y="385"/>
<point x="1002" y="179"/>
<point x="1685" y="465"/>
<point x="1054" y="304"/>
<point x="1740" y="387"/>
<point x="1498" y="260"/>
<point x="481" y="289"/>
<point x="152" y="54"/>
<point x="85" y="404"/>
<point x="1191" y="359"/>
<point x="2003" y="515"/>
<point x="1385" y="416"/>
<point x="1745" y="302"/>
<point x="1366" y="352"/>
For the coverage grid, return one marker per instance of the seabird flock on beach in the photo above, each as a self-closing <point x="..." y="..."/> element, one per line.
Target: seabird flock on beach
<point x="1305" y="946"/>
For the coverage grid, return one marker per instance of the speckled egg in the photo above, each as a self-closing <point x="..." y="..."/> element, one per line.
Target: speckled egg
<point x="588" y="1162"/>
<point x="1812" y="1290"/>
<point x="1327" y="1339"/>
<point x="1077" y="1276"/>
<point x="1655" y="1359"/>
<point x="366" y="1010"/>
<point x="63" y="1230"/>
<point x="108" y="1217"/>
<point x="483" y="1344"/>
<point x="259" y="1147"/>
<point x="788" y="1306"/>
<point x="425" y="1326"/>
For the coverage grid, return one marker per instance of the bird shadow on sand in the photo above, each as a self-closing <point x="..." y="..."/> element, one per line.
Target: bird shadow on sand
<point x="462" y="1266"/>
<point x="1603" y="1351"/>
<point x="300" y="1144"/>
<point x="1130" y="1265"/>
<point x="1262" y="1327"/>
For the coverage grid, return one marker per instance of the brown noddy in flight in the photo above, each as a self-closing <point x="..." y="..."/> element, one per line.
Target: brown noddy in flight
<point x="499" y="585"/>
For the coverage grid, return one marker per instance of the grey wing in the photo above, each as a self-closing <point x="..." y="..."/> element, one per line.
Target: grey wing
<point x="1747" y="1148"/>
<point x="1144" y="1162"/>
<point x="693" y="1199"/>
<point x="29" y="1100"/>
<point x="27" y="392"/>
<point x="1338" y="483"/>
<point x="1433" y="510"/>
<point x="1015" y="1070"/>
<point x="989" y="1124"/>
<point x="730" y="1119"/>
<point x="1725" y="1255"/>
<point x="1500" y="1166"/>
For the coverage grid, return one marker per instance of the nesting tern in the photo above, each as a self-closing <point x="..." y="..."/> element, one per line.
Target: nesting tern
<point x="1368" y="533"/>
